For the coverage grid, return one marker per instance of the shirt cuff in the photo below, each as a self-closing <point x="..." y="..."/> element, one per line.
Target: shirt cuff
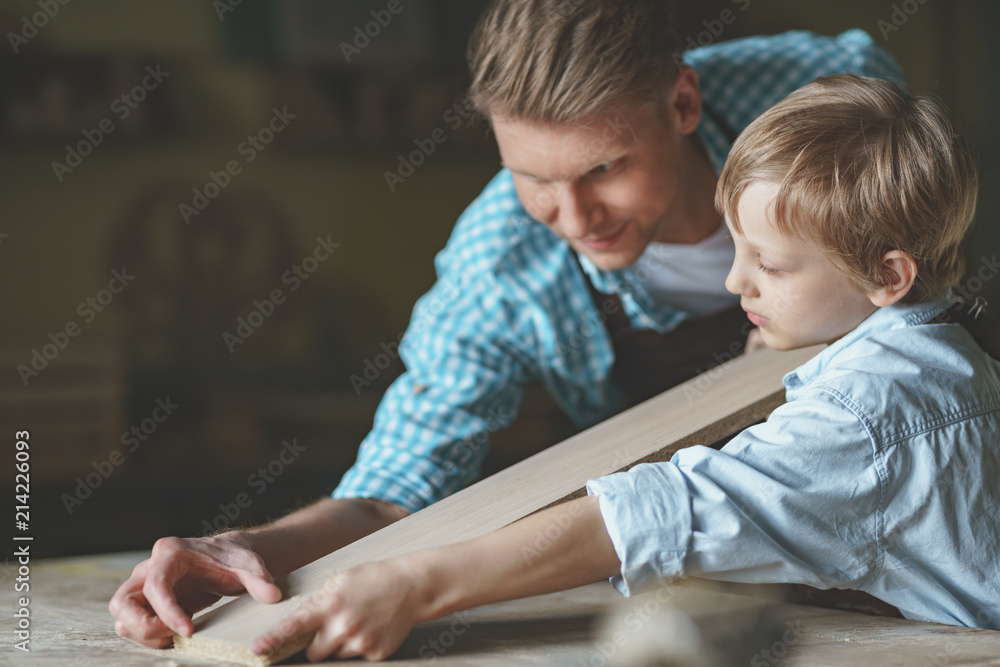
<point x="647" y="512"/>
<point x="360" y="482"/>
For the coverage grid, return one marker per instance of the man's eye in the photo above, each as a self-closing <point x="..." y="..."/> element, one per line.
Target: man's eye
<point x="602" y="168"/>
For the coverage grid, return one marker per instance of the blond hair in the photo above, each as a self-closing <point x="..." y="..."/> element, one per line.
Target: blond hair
<point x="559" y="61"/>
<point x="863" y="167"/>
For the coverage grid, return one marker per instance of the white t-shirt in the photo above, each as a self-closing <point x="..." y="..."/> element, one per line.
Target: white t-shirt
<point x="689" y="277"/>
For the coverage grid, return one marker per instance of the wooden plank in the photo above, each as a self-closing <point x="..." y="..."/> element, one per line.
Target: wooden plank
<point x="705" y="409"/>
<point x="70" y="625"/>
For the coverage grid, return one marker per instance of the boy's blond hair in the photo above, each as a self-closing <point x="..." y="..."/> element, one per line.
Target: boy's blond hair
<point x="559" y="61"/>
<point x="863" y="167"/>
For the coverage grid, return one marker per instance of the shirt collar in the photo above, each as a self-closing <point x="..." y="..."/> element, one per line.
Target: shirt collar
<point x="896" y="316"/>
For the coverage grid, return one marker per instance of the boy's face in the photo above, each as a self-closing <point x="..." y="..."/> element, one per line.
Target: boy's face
<point x="611" y="185"/>
<point x="789" y="288"/>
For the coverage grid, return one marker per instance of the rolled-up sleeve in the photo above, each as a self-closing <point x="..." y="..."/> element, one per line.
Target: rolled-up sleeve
<point x="793" y="500"/>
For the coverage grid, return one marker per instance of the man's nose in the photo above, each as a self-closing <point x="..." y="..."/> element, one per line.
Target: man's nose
<point x="579" y="211"/>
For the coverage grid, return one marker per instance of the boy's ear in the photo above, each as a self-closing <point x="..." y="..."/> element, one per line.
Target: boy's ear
<point x="899" y="270"/>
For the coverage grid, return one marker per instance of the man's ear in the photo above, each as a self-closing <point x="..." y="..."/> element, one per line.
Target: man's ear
<point x="685" y="100"/>
<point x="899" y="270"/>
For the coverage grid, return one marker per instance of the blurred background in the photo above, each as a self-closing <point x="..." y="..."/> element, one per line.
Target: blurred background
<point x="205" y="268"/>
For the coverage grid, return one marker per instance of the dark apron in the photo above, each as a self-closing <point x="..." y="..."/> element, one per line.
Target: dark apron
<point x="648" y="363"/>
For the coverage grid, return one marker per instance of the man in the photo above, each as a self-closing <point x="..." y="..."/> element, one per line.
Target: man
<point x="594" y="262"/>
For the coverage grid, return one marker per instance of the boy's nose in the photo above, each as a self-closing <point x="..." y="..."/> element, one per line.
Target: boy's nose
<point x="738" y="282"/>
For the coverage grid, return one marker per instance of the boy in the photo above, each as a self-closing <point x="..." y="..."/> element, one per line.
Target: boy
<point x="847" y="202"/>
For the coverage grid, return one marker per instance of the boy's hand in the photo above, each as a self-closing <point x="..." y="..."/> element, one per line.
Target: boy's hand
<point x="365" y="611"/>
<point x="182" y="576"/>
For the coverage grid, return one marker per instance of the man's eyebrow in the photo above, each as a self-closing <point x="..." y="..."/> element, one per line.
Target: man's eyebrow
<point x="517" y="170"/>
<point x="612" y="159"/>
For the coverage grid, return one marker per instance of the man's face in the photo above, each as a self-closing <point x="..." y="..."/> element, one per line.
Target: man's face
<point x="609" y="185"/>
<point x="789" y="288"/>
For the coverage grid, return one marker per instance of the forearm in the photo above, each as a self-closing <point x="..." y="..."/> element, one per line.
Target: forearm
<point x="560" y="548"/>
<point x="314" y="531"/>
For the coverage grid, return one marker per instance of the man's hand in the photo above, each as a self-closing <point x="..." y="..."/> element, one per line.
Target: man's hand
<point x="182" y="576"/>
<point x="185" y="575"/>
<point x="365" y="611"/>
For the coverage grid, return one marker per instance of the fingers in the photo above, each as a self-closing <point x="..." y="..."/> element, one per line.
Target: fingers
<point x="251" y="573"/>
<point x="167" y="565"/>
<point x="180" y="577"/>
<point x="303" y="620"/>
<point x="343" y="641"/>
<point x="325" y="643"/>
<point x="134" y="619"/>
<point x="146" y="630"/>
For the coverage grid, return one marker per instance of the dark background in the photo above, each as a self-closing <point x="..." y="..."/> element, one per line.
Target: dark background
<point x="322" y="176"/>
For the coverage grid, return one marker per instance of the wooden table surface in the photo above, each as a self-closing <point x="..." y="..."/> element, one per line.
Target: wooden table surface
<point x="71" y="626"/>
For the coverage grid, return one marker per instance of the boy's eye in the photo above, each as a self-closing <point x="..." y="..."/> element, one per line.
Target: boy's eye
<point x="767" y="269"/>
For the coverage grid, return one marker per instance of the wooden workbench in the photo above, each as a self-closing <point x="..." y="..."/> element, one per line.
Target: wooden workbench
<point x="71" y="626"/>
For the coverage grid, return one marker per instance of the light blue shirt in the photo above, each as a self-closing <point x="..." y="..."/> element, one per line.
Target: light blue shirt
<point x="510" y="306"/>
<point x="881" y="473"/>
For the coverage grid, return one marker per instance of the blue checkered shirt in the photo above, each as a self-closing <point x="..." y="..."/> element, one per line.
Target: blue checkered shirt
<point x="510" y="306"/>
